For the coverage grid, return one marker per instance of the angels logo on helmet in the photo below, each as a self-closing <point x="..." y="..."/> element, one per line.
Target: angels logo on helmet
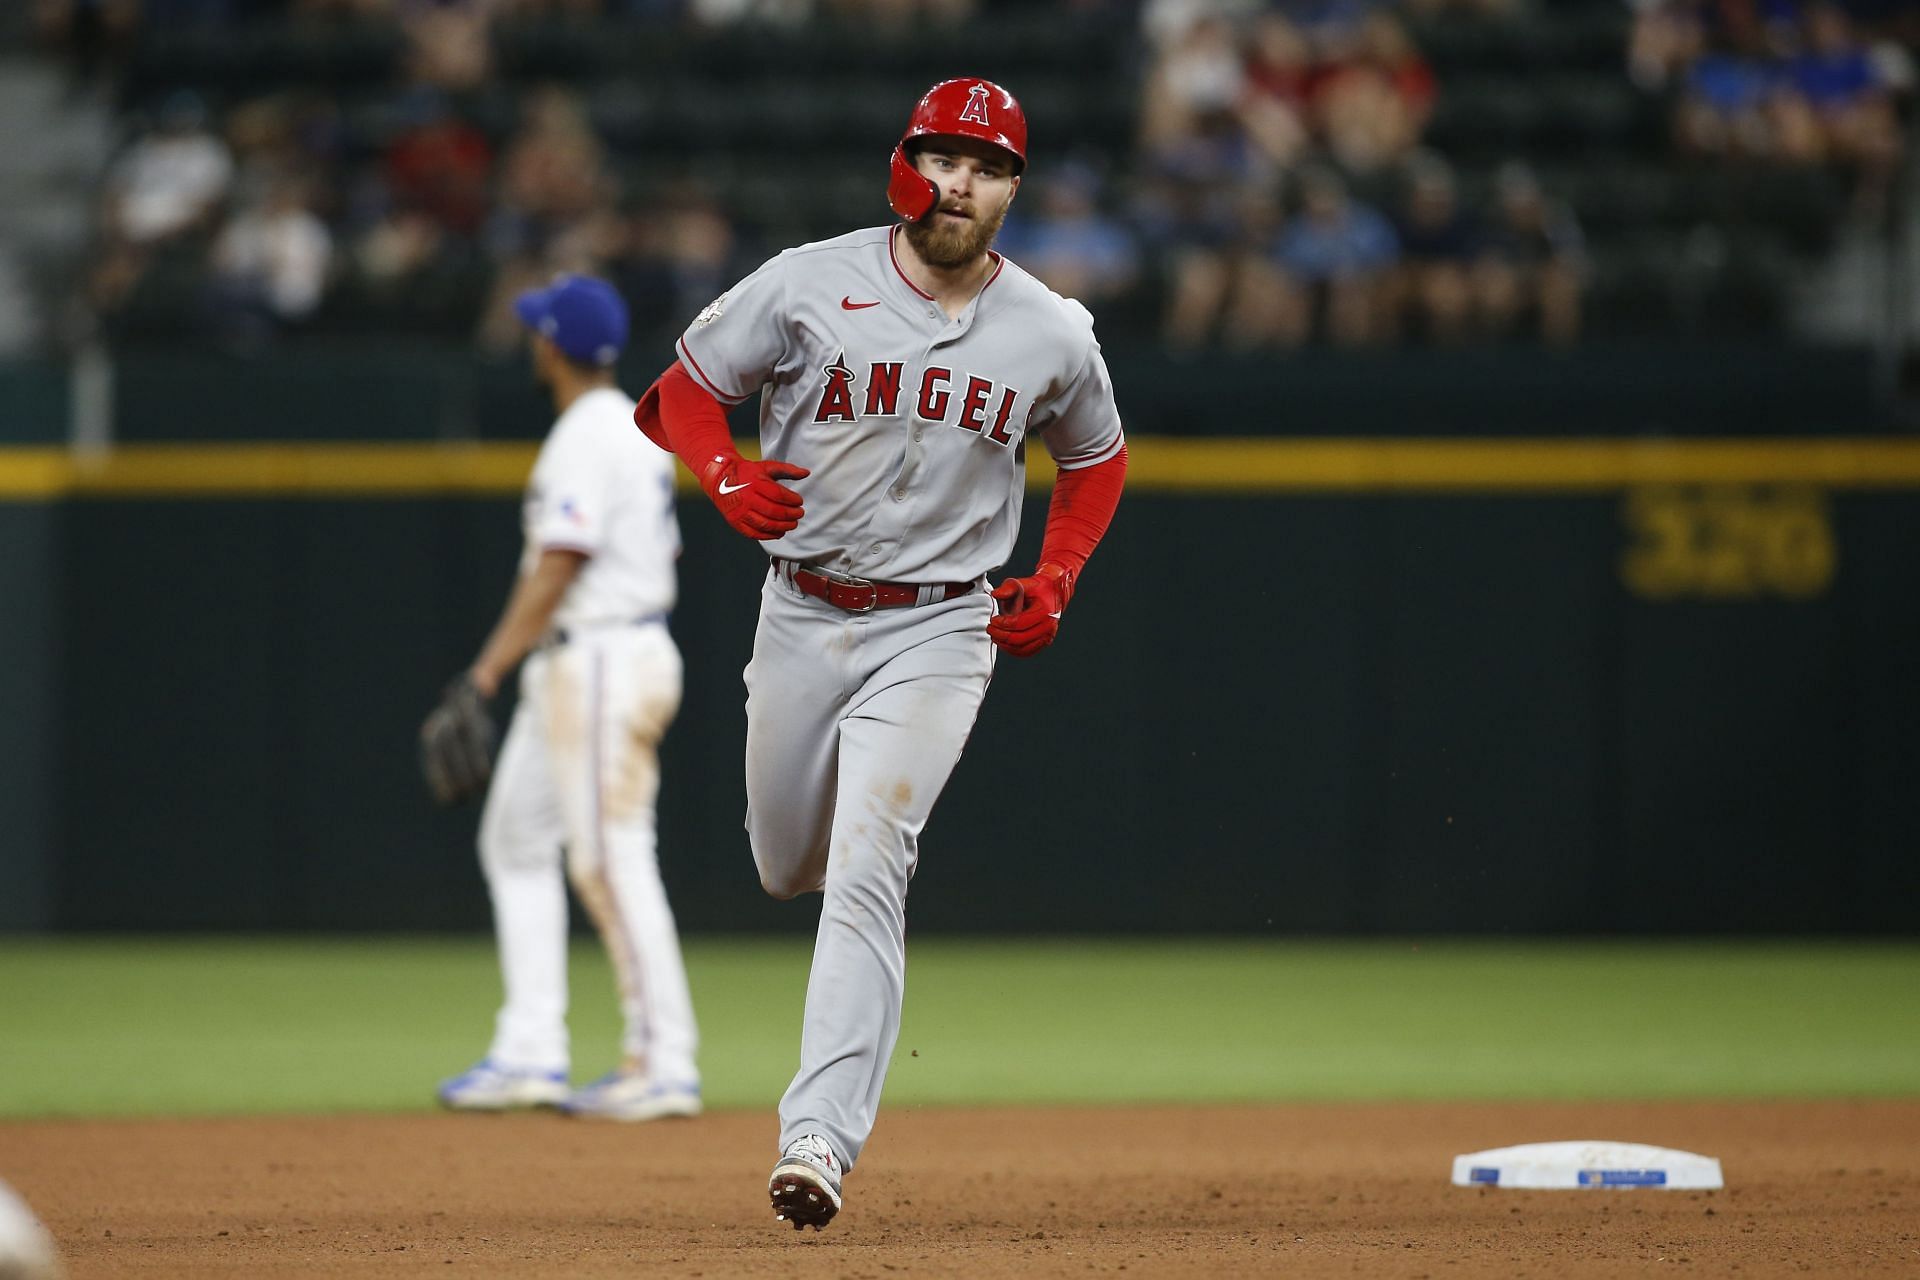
<point x="976" y="108"/>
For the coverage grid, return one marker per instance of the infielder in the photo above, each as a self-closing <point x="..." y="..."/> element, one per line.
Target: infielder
<point x="901" y="371"/>
<point x="579" y="767"/>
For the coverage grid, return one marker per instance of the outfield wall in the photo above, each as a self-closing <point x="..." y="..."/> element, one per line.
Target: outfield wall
<point x="1335" y="685"/>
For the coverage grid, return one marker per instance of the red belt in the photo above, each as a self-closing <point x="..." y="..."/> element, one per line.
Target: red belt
<point x="858" y="595"/>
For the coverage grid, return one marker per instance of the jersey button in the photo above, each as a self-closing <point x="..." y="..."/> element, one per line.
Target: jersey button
<point x="899" y="495"/>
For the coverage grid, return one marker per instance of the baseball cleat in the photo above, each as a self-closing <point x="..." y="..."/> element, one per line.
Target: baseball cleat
<point x="486" y="1086"/>
<point x="805" y="1186"/>
<point x="631" y="1095"/>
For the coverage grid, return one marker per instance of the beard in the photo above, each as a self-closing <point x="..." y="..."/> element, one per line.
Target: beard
<point x="946" y="246"/>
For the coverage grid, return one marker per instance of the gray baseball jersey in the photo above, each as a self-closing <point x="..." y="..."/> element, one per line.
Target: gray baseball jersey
<point x="913" y="424"/>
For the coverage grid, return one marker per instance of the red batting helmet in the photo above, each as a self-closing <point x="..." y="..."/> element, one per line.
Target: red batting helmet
<point x="964" y="108"/>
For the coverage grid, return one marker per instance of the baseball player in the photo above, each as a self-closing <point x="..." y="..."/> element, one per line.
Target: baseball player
<point x="902" y="371"/>
<point x="579" y="767"/>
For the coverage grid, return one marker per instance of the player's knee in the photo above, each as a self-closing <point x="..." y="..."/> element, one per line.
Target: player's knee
<point x="499" y="857"/>
<point x="503" y="850"/>
<point x="781" y="884"/>
<point x="784" y="880"/>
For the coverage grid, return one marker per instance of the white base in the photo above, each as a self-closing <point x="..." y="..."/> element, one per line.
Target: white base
<point x="1584" y="1166"/>
<point x="26" y="1250"/>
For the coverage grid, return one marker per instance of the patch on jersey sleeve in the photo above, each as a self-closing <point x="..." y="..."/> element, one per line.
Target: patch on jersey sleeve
<point x="714" y="310"/>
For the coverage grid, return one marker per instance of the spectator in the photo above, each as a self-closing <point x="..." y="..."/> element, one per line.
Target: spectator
<point x="1193" y="205"/>
<point x="581" y="247"/>
<point x="1201" y="77"/>
<point x="1727" y="105"/>
<point x="282" y="134"/>
<point x="1200" y="163"/>
<point x="1837" y="104"/>
<point x="552" y="174"/>
<point x="404" y="247"/>
<point x="1330" y="269"/>
<point x="1279" y="79"/>
<point x="1168" y="22"/>
<point x="172" y="181"/>
<point x="438" y="164"/>
<point x="1533" y="262"/>
<point x="1666" y="38"/>
<point x="678" y="257"/>
<point x="1072" y="247"/>
<point x="449" y="42"/>
<point x="554" y="211"/>
<point x="1372" y="106"/>
<point x="260" y="137"/>
<point x="162" y="198"/>
<point x="1438" y="244"/>
<point x="271" y="263"/>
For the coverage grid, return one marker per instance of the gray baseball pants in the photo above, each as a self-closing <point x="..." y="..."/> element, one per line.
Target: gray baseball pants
<point x="854" y="724"/>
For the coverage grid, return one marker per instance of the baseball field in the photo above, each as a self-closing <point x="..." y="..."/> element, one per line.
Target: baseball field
<point x="263" y="1107"/>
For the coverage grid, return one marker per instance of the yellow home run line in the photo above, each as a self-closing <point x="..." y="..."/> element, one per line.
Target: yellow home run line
<point x="1158" y="464"/>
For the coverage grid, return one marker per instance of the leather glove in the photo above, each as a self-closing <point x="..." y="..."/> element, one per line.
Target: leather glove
<point x="1029" y="612"/>
<point x="750" y="495"/>
<point x="456" y="743"/>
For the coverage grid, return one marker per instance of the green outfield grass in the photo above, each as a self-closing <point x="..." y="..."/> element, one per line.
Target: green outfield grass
<point x="172" y="1026"/>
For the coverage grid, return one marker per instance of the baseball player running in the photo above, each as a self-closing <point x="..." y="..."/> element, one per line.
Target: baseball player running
<point x="901" y="371"/>
<point x="579" y="766"/>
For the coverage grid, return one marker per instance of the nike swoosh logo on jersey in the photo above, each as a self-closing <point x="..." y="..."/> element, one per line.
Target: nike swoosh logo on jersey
<point x="735" y="488"/>
<point x="847" y="303"/>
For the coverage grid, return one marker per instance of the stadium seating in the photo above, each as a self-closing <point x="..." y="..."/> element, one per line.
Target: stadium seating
<point x="1672" y="245"/>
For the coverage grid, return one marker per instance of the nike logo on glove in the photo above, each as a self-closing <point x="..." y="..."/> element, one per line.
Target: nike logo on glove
<point x="733" y="488"/>
<point x="847" y="303"/>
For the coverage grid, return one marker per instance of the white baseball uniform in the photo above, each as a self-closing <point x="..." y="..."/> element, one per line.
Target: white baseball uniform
<point x="914" y="425"/>
<point x="579" y="769"/>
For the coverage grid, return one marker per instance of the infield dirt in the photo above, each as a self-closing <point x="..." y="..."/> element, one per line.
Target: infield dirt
<point x="1828" y="1188"/>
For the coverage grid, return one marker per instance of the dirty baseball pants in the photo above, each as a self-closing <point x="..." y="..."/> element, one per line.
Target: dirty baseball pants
<point x="854" y="724"/>
<point x="580" y="771"/>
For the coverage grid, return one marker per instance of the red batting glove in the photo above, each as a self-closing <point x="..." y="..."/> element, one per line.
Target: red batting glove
<point x="1029" y="614"/>
<point x="750" y="495"/>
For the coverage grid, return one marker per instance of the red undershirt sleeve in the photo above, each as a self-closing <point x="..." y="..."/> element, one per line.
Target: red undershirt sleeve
<point x="681" y="416"/>
<point x="1083" y="504"/>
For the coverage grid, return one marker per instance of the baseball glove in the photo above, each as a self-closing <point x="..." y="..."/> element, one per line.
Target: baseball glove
<point x="456" y="743"/>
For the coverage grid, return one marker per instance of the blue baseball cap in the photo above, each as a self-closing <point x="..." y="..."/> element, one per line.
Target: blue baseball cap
<point x="584" y="317"/>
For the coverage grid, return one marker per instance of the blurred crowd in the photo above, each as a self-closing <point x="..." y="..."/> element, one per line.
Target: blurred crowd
<point x="1282" y="190"/>
<point x="93" y="29"/>
<point x="266" y="215"/>
<point x="266" y="219"/>
<point x="1282" y="174"/>
<point x="1782" y="81"/>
